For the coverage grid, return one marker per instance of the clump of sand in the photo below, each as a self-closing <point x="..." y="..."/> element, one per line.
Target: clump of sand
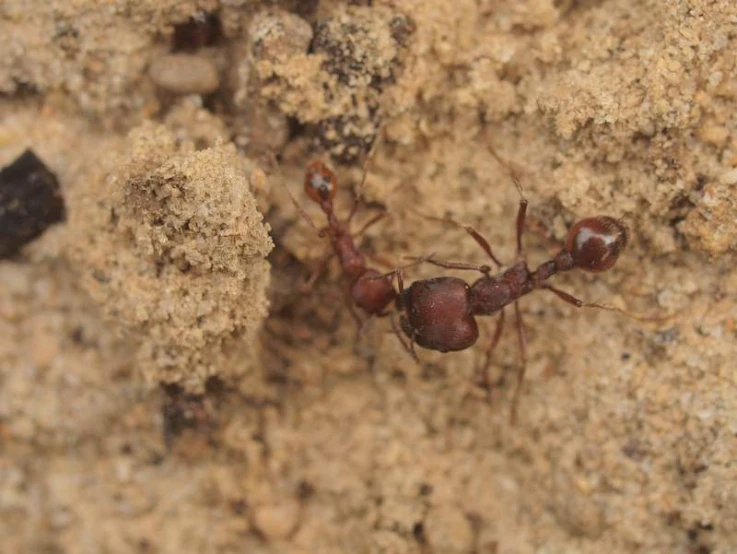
<point x="172" y="247"/>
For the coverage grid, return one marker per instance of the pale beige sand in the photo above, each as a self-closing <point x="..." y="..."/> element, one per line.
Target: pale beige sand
<point x="311" y="440"/>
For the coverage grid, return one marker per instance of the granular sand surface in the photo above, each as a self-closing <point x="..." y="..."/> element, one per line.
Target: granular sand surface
<point x="167" y="384"/>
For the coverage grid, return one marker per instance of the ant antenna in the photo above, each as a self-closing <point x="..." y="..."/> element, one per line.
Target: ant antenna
<point x="409" y="347"/>
<point x="297" y="205"/>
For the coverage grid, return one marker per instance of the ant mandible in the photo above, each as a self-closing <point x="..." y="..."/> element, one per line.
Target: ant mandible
<point x="367" y="288"/>
<point x="439" y="313"/>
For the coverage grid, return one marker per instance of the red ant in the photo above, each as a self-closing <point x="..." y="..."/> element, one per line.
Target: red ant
<point x="439" y="313"/>
<point x="367" y="288"/>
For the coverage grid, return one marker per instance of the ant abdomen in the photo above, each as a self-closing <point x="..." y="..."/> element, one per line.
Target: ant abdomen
<point x="373" y="292"/>
<point x="438" y="314"/>
<point x="595" y="243"/>
<point x="320" y="182"/>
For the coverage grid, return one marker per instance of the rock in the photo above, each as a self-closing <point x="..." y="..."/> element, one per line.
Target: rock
<point x="30" y="201"/>
<point x="448" y="530"/>
<point x="277" y="521"/>
<point x="185" y="74"/>
<point x="278" y="35"/>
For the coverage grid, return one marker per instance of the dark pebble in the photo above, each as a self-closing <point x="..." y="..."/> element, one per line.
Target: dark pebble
<point x="30" y="201"/>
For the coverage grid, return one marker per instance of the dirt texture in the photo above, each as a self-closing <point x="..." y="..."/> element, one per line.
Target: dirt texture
<point x="168" y="385"/>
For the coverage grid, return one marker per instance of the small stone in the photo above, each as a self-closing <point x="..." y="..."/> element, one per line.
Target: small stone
<point x="185" y="74"/>
<point x="277" y="521"/>
<point x="278" y="35"/>
<point x="729" y="178"/>
<point x="713" y="134"/>
<point x="576" y="510"/>
<point x="448" y="530"/>
<point x="30" y="201"/>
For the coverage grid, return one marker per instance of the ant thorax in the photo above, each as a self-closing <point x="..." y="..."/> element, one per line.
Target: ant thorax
<point x="491" y="293"/>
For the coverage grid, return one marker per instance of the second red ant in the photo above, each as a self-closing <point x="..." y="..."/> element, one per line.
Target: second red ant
<point x="367" y="288"/>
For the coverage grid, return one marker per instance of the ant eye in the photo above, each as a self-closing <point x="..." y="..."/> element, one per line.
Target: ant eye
<point x="319" y="182"/>
<point x="595" y="243"/>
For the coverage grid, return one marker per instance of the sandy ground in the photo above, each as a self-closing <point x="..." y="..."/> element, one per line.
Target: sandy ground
<point x="166" y="385"/>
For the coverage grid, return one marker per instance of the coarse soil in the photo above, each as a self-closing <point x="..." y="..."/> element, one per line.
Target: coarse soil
<point x="167" y="384"/>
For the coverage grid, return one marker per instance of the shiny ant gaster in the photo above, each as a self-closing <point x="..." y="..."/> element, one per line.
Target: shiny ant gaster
<point x="439" y="313"/>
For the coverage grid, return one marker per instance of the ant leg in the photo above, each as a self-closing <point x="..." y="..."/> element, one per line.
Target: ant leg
<point x="521" y="215"/>
<point x="408" y="346"/>
<point x="378" y="217"/>
<point x="358" y="196"/>
<point x="480" y="240"/>
<point x="567" y="297"/>
<point x="351" y="307"/>
<point x="482" y="373"/>
<point x="365" y="325"/>
<point x="315" y="275"/>
<point x="379" y="260"/>
<point x="354" y="314"/>
<point x="538" y="227"/>
<point x="485" y="269"/>
<point x="581" y="304"/>
<point x="399" y="271"/>
<point x="522" y="334"/>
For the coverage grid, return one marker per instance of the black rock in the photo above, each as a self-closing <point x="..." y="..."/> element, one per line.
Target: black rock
<point x="30" y="201"/>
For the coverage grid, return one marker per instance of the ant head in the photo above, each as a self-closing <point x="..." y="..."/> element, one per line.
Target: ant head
<point x="595" y="243"/>
<point x="320" y="182"/>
